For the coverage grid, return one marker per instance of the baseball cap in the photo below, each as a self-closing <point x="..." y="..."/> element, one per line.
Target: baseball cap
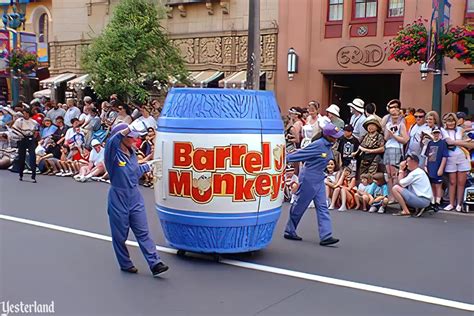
<point x="414" y="157"/>
<point x="348" y="128"/>
<point x="333" y="131"/>
<point x="461" y="115"/>
<point x="436" y="129"/>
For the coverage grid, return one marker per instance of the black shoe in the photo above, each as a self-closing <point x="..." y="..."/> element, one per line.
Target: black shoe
<point x="292" y="237"/>
<point x="130" y="270"/>
<point x="34" y="181"/>
<point x="159" y="269"/>
<point x="21" y="179"/>
<point x="329" y="241"/>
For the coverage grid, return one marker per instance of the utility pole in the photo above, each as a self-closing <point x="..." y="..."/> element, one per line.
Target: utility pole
<point x="438" y="75"/>
<point x="253" y="49"/>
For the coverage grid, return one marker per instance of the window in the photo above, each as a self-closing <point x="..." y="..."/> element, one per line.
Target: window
<point x="336" y="10"/>
<point x="43" y="28"/>
<point x="396" y="8"/>
<point x="365" y="9"/>
<point x="470" y="7"/>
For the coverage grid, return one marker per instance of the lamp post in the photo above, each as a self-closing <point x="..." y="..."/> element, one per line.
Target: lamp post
<point x="292" y="63"/>
<point x="253" y="50"/>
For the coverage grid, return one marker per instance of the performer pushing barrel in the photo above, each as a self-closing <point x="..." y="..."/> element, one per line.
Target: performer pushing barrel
<point x="312" y="188"/>
<point x="126" y="207"/>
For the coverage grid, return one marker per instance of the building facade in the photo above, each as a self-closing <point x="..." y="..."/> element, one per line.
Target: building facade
<point x="341" y="45"/>
<point x="211" y="36"/>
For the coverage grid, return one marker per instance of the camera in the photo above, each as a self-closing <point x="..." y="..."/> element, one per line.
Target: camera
<point x="394" y="129"/>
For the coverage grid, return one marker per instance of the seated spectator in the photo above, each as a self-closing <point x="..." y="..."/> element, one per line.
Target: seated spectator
<point x="55" y="111"/>
<point x="361" y="195"/>
<point x="55" y="166"/>
<point x="41" y="157"/>
<point x="92" y="126"/>
<point x="123" y="114"/>
<point x="74" y="135"/>
<point x="95" y="167"/>
<point x="332" y="176"/>
<point x="46" y="131"/>
<point x="377" y="194"/>
<point x="343" y="192"/>
<point x="291" y="182"/>
<point x="414" y="189"/>
<point x="145" y="121"/>
<point x="6" y="118"/>
<point x="371" y="147"/>
<point x="437" y="155"/>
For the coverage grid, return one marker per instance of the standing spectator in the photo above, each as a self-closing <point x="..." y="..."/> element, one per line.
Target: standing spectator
<point x="437" y="155"/>
<point x="26" y="129"/>
<point x="93" y="125"/>
<point x="415" y="133"/>
<point x="395" y="135"/>
<point x="378" y="194"/>
<point x="370" y="109"/>
<point x="313" y="121"/>
<point x="371" y="148"/>
<point x="348" y="145"/>
<point x="358" y="118"/>
<point x="410" y="118"/>
<point x="85" y="115"/>
<point x="333" y="113"/>
<point x="145" y="121"/>
<point x="72" y="112"/>
<point x="463" y="123"/>
<point x="332" y="177"/>
<point x="458" y="163"/>
<point x="414" y="189"/>
<point x="55" y="111"/>
<point x="391" y="104"/>
<point x="294" y="127"/>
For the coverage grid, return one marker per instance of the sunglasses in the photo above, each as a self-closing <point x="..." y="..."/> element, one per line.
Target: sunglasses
<point x="393" y="107"/>
<point x="419" y="116"/>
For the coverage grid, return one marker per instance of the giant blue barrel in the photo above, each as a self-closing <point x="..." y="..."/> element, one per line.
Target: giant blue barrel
<point x="223" y="158"/>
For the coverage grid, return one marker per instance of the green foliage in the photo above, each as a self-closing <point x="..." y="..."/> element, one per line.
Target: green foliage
<point x="132" y="49"/>
<point x="22" y="62"/>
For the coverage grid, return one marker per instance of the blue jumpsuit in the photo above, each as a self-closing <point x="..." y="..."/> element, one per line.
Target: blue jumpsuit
<point x="125" y="204"/>
<point x="312" y="188"/>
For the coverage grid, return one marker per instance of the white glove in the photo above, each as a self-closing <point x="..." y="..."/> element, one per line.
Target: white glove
<point x="156" y="166"/>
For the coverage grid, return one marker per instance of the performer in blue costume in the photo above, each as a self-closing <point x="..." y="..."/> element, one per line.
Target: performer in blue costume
<point x="312" y="188"/>
<point x="126" y="207"/>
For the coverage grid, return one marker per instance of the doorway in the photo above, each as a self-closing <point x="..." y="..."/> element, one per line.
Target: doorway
<point x="379" y="89"/>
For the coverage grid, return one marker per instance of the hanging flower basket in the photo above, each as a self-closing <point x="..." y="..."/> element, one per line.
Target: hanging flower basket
<point x="410" y="43"/>
<point x="22" y="62"/>
<point x="458" y="42"/>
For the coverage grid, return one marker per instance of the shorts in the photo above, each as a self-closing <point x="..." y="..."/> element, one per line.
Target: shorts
<point x="436" y="180"/>
<point x="413" y="200"/>
<point x="392" y="156"/>
<point x="457" y="163"/>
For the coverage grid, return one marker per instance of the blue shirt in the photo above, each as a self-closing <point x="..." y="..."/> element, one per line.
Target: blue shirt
<point x="315" y="157"/>
<point x="435" y="152"/>
<point x="48" y="131"/>
<point x="376" y="190"/>
<point x="124" y="170"/>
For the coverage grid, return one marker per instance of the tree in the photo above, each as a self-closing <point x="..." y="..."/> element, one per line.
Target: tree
<point x="133" y="49"/>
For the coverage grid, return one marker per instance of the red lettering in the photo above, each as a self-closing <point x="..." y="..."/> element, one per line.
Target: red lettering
<point x="202" y="197"/>
<point x="223" y="184"/>
<point x="262" y="184"/>
<point x="243" y="188"/>
<point x="266" y="155"/>
<point x="182" y="155"/>
<point x="237" y="152"/>
<point x="222" y="155"/>
<point x="203" y="159"/>
<point x="276" y="185"/>
<point x="252" y="162"/>
<point x="180" y="183"/>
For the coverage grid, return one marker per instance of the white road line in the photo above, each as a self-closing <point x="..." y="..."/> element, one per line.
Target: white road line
<point x="263" y="268"/>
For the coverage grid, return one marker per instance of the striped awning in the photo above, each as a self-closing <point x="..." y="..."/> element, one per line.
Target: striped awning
<point x="79" y="82"/>
<point x="236" y="80"/>
<point x="56" y="81"/>
<point x="203" y="78"/>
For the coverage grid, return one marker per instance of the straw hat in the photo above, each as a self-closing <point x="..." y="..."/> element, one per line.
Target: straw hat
<point x="372" y="120"/>
<point x="333" y="109"/>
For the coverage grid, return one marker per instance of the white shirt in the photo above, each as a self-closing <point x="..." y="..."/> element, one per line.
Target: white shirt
<point x="392" y="142"/>
<point x="53" y="113"/>
<point x="417" y="181"/>
<point x="71" y="113"/>
<point x="96" y="157"/>
<point x="453" y="135"/>
<point x="414" y="145"/>
<point x="85" y="117"/>
<point x="142" y="124"/>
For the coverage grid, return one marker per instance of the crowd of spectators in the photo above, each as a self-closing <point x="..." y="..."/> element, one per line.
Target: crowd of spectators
<point x="68" y="140"/>
<point x="408" y="157"/>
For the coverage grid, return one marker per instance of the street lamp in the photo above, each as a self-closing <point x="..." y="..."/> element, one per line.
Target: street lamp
<point x="292" y="63"/>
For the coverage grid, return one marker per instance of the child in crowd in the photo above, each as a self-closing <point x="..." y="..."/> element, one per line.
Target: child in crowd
<point x="348" y="145"/>
<point x="291" y="182"/>
<point x="378" y="194"/>
<point x="361" y="195"/>
<point x="343" y="193"/>
<point x="437" y="155"/>
<point x="331" y="179"/>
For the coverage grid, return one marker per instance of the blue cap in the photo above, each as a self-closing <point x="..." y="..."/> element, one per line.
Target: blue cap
<point x="332" y="130"/>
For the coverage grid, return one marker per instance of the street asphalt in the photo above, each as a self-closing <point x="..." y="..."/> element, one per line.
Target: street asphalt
<point x="432" y="256"/>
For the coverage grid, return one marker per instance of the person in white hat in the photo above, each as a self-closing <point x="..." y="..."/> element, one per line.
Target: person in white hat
<point x="358" y="117"/>
<point x="333" y="113"/>
<point x="96" y="167"/>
